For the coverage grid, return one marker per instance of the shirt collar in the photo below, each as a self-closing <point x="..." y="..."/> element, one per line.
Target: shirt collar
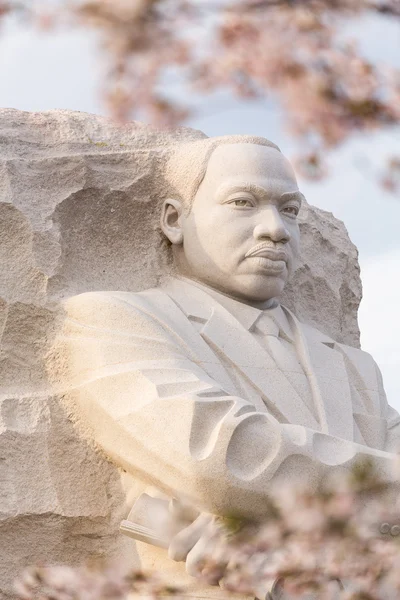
<point x="246" y="314"/>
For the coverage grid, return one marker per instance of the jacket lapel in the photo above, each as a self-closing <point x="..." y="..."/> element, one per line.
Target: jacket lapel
<point x="224" y="332"/>
<point x="226" y="336"/>
<point x="326" y="371"/>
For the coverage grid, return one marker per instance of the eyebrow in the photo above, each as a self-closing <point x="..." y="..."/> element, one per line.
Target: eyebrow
<point x="259" y="191"/>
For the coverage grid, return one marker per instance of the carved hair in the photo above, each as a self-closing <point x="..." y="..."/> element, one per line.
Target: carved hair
<point x="187" y="165"/>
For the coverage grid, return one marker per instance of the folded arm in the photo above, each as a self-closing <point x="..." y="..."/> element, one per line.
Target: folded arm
<point x="156" y="412"/>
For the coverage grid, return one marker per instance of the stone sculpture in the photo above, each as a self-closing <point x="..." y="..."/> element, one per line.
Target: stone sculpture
<point x="205" y="385"/>
<point x="81" y="199"/>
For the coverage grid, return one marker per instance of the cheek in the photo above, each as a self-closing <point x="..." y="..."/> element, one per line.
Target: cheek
<point x="294" y="250"/>
<point x="219" y="233"/>
<point x="233" y="226"/>
<point x="295" y="239"/>
<point x="203" y="238"/>
<point x="212" y="227"/>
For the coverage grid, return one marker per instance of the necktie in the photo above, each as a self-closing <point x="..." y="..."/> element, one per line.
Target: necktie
<point x="270" y="336"/>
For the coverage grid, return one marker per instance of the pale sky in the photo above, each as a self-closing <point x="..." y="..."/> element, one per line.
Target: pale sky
<point x="45" y="71"/>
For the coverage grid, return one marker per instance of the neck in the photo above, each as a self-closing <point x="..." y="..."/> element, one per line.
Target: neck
<point x="266" y="304"/>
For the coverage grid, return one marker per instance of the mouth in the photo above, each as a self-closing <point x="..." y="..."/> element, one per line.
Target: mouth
<point x="263" y="251"/>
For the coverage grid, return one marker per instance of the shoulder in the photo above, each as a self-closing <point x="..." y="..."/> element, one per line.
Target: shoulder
<point x="109" y="298"/>
<point x="116" y="306"/>
<point x="361" y="360"/>
<point x="358" y="363"/>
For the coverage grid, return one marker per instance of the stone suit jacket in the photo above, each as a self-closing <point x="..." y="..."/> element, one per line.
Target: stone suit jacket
<point x="182" y="396"/>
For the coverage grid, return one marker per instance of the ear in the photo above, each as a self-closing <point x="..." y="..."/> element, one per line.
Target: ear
<point x="171" y="220"/>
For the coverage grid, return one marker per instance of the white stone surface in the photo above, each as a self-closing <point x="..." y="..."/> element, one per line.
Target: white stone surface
<point x="205" y="386"/>
<point x="80" y="200"/>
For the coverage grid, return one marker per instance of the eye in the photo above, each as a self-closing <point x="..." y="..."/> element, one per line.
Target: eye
<point x="241" y="202"/>
<point x="292" y="211"/>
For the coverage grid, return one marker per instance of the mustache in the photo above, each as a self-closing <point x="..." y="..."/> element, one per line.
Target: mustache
<point x="267" y="251"/>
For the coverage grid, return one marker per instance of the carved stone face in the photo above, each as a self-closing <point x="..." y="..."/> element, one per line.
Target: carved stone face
<point x="241" y="234"/>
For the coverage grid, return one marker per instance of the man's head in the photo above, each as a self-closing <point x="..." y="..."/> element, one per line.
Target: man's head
<point x="233" y="223"/>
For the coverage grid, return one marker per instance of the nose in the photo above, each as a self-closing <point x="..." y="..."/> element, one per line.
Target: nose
<point x="271" y="226"/>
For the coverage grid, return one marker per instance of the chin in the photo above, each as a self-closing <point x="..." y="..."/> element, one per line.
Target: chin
<point x="261" y="289"/>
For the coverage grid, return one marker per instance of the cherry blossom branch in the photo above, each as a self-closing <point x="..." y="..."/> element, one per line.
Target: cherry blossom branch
<point x="290" y="50"/>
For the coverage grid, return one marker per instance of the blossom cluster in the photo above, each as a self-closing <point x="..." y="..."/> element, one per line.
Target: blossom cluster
<point x="340" y="542"/>
<point x="293" y="51"/>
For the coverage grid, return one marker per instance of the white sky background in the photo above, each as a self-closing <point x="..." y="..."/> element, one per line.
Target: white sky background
<point x="40" y="71"/>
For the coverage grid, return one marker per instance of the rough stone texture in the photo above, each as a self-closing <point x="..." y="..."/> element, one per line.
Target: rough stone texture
<point x="77" y="192"/>
<point x="325" y="291"/>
